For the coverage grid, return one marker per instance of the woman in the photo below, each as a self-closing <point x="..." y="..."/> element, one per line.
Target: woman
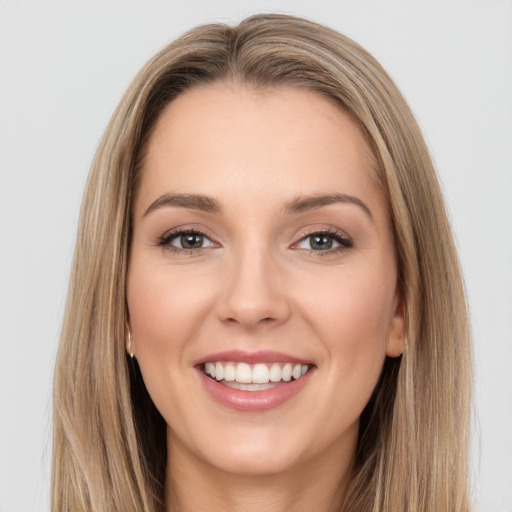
<point x="266" y="309"/>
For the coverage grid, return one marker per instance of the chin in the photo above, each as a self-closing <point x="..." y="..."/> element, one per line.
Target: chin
<point x="256" y="461"/>
<point x="247" y="451"/>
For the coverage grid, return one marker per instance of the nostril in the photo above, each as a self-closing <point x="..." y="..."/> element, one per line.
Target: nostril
<point x="262" y="321"/>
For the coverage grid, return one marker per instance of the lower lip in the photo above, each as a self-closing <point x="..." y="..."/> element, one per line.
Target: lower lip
<point x="253" y="401"/>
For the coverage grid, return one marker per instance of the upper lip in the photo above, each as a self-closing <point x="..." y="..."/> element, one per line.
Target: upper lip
<point x="261" y="356"/>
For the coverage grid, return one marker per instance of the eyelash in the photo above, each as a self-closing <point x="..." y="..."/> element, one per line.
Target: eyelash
<point x="165" y="241"/>
<point x="344" y="241"/>
<point x="338" y="236"/>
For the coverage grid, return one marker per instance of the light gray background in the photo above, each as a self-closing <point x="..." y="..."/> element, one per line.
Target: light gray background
<point x="63" y="68"/>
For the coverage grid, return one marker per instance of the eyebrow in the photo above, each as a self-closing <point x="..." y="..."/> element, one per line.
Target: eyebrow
<point x="191" y="201"/>
<point x="306" y="203"/>
<point x="298" y="204"/>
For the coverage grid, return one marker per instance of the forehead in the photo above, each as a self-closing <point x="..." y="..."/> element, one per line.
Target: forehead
<point x="262" y="141"/>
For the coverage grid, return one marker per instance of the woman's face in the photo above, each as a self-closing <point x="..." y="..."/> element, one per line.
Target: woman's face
<point x="262" y="254"/>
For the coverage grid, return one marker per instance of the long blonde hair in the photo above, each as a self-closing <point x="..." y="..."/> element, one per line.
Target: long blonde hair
<point x="109" y="448"/>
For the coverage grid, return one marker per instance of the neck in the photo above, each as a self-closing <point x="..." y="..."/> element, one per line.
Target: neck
<point x="193" y="485"/>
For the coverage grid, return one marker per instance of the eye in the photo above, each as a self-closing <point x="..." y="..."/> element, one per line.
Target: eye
<point x="186" y="240"/>
<point x="324" y="242"/>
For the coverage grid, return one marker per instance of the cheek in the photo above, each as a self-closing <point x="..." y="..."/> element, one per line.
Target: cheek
<point x="165" y="308"/>
<point x="352" y="322"/>
<point x="351" y="317"/>
<point x="353" y="308"/>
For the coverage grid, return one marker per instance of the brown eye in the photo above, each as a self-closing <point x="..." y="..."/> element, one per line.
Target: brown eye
<point x="189" y="241"/>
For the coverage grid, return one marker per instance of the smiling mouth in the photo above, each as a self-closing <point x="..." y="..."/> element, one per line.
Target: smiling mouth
<point x="254" y="377"/>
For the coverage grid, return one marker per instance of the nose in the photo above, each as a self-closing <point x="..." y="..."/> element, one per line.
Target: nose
<point x="254" y="292"/>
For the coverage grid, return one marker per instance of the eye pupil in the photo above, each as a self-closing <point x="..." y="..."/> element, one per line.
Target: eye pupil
<point x="191" y="241"/>
<point x="321" y="242"/>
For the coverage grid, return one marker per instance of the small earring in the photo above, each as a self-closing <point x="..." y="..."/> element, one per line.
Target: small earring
<point x="129" y="344"/>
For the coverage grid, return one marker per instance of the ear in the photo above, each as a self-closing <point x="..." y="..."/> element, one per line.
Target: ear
<point x="395" y="344"/>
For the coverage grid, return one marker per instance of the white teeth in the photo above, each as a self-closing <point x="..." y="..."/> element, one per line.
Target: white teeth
<point x="261" y="375"/>
<point x="219" y="371"/>
<point x="229" y="372"/>
<point x="286" y="372"/>
<point x="249" y="387"/>
<point x="243" y="373"/>
<point x="209" y="368"/>
<point x="275" y="373"/>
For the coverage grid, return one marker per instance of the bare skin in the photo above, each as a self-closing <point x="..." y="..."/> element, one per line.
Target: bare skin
<point x="300" y="490"/>
<point x="234" y="251"/>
